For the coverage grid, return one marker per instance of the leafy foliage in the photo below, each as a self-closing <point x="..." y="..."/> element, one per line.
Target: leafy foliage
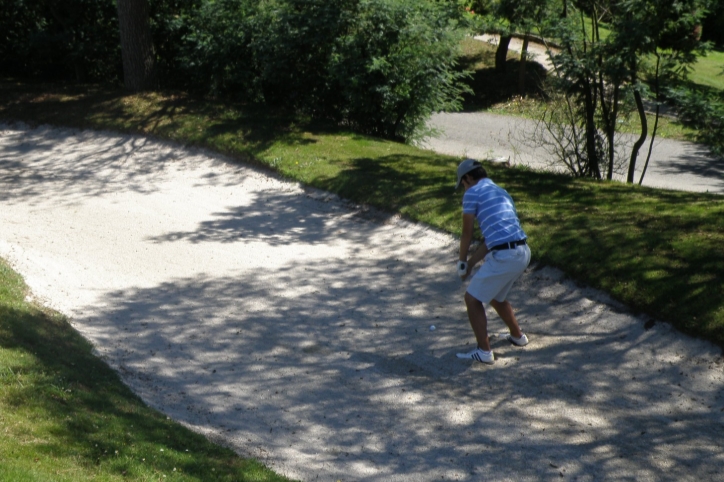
<point x="380" y="66"/>
<point x="396" y="66"/>
<point x="214" y="53"/>
<point x="170" y="24"/>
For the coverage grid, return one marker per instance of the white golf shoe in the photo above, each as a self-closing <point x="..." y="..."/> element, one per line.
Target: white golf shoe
<point x="479" y="355"/>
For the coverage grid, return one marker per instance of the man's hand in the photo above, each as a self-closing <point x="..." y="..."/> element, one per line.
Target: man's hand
<point x="463" y="270"/>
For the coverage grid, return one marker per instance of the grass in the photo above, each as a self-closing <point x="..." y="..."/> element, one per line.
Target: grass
<point x="66" y="416"/>
<point x="708" y="71"/>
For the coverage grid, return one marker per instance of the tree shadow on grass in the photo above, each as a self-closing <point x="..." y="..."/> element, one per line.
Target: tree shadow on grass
<point x="244" y="130"/>
<point x="396" y="181"/>
<point x="492" y="87"/>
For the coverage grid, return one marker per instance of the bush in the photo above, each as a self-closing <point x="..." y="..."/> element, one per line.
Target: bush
<point x="396" y="66"/>
<point x="379" y="66"/>
<point x="214" y="56"/>
<point x="170" y="23"/>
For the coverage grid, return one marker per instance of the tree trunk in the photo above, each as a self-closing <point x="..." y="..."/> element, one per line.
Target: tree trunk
<point x="656" y="119"/>
<point x="591" y="151"/>
<point x="651" y="145"/>
<point x="609" y="114"/>
<point x="641" y="139"/>
<point x="521" y="72"/>
<point x="139" y="63"/>
<point x="501" y="54"/>
<point x="612" y="116"/>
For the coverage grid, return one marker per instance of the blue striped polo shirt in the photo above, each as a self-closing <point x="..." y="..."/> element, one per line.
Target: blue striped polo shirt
<point x="495" y="211"/>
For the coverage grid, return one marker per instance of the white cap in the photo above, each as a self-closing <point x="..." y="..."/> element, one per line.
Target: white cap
<point x="465" y="167"/>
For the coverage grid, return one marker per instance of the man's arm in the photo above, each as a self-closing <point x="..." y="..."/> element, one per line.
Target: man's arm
<point x="465" y="240"/>
<point x="477" y="255"/>
<point x="467" y="236"/>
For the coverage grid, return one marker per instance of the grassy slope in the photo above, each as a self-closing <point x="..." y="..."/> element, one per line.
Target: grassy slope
<point x="66" y="416"/>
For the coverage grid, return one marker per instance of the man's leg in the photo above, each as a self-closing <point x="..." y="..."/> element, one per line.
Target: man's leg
<point x="478" y="321"/>
<point x="505" y="311"/>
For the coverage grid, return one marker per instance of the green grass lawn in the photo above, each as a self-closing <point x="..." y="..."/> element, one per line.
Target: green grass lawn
<point x="709" y="71"/>
<point x="659" y="252"/>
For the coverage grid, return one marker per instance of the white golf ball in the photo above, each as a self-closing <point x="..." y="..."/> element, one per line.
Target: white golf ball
<point x="432" y="327"/>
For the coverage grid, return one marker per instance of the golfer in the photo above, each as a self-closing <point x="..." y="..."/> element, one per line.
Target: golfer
<point x="504" y="251"/>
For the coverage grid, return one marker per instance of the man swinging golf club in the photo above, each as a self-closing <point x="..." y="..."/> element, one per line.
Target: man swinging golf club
<point x="504" y="251"/>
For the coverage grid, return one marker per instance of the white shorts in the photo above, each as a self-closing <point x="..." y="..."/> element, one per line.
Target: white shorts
<point x="499" y="271"/>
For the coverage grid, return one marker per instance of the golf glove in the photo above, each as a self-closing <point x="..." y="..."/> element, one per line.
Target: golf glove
<point x="462" y="268"/>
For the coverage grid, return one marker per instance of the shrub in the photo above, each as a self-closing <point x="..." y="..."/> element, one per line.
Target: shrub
<point x="171" y="22"/>
<point x="396" y="66"/>
<point x="214" y="55"/>
<point x="379" y="66"/>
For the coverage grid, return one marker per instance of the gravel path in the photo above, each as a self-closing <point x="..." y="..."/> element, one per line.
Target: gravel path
<point x="295" y="327"/>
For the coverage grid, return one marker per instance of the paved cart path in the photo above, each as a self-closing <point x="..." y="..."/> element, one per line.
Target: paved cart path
<point x="674" y="164"/>
<point x="295" y="327"/>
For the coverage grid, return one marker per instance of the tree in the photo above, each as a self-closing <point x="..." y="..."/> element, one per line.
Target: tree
<point x="647" y="28"/>
<point x="602" y="65"/>
<point x="139" y="62"/>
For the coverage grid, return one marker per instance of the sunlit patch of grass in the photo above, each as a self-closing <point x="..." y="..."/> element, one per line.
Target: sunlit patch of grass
<point x="709" y="70"/>
<point x="526" y="107"/>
